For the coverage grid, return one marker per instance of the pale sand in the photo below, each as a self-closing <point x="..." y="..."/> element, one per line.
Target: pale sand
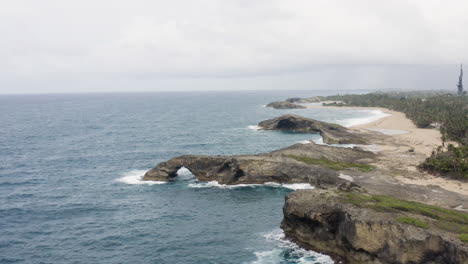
<point x="423" y="140"/>
<point x="395" y="149"/>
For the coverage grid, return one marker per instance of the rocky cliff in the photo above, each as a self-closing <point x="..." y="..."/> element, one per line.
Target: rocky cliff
<point x="361" y="228"/>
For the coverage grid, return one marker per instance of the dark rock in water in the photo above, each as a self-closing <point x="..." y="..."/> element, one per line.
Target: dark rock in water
<point x="276" y="166"/>
<point x="285" y="105"/>
<point x="320" y="220"/>
<point x="331" y="133"/>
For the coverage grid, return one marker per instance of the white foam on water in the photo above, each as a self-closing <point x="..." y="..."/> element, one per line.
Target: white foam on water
<point x="291" y="186"/>
<point x="135" y="177"/>
<point x="304" y="142"/>
<point x="267" y="257"/>
<point x="215" y="184"/>
<point x="254" y="128"/>
<point x="371" y="116"/>
<point x="295" y="254"/>
<point x="319" y="141"/>
<point x="184" y="174"/>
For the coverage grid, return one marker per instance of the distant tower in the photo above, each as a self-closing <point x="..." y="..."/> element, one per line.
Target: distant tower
<point x="460" y="82"/>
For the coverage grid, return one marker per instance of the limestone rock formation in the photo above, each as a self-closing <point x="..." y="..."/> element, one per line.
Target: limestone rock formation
<point x="244" y="169"/>
<point x="277" y="166"/>
<point x="320" y="220"/>
<point x="285" y="105"/>
<point x="331" y="133"/>
<point x="314" y="99"/>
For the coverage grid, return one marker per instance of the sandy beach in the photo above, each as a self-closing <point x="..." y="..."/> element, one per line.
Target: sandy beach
<point x="400" y="136"/>
<point x="423" y="140"/>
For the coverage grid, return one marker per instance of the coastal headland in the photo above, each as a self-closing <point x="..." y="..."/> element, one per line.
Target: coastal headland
<point x="372" y="203"/>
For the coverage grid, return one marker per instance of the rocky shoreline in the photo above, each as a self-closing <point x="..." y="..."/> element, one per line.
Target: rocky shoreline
<point x="280" y="166"/>
<point x="352" y="229"/>
<point x="326" y="219"/>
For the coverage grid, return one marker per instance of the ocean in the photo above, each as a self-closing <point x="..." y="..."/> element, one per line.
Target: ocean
<point x="71" y="163"/>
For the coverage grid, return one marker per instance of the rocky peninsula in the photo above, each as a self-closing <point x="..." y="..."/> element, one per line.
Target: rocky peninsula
<point x="281" y="166"/>
<point x="285" y="105"/>
<point x="331" y="133"/>
<point x="360" y="212"/>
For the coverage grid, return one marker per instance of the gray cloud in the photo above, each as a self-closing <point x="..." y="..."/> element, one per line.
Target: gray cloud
<point x="97" y="41"/>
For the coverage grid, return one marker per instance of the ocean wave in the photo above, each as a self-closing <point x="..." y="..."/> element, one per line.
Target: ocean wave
<point x="304" y="142"/>
<point x="185" y="174"/>
<point x="319" y="141"/>
<point x="371" y="116"/>
<point x="254" y="128"/>
<point x="288" y="252"/>
<point x="215" y="184"/>
<point x="135" y="176"/>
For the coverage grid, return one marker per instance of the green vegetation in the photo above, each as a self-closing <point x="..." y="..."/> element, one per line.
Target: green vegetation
<point x="413" y="221"/>
<point x="443" y="110"/>
<point x="453" y="162"/>
<point x="464" y="238"/>
<point x="445" y="219"/>
<point x="334" y="165"/>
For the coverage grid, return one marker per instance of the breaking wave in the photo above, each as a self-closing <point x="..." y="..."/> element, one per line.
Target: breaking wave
<point x="215" y="184"/>
<point x="254" y="128"/>
<point x="371" y="116"/>
<point x="288" y="252"/>
<point x="135" y="176"/>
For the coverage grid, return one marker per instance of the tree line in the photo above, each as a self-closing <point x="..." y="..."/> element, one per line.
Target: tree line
<point x="445" y="111"/>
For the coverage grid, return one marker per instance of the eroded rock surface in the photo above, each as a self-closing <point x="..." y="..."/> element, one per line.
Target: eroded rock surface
<point x="331" y="133"/>
<point x="277" y="166"/>
<point x="322" y="221"/>
<point x="314" y="99"/>
<point x="285" y="105"/>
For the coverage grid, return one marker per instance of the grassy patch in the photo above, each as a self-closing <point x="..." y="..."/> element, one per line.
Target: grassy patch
<point x="464" y="237"/>
<point x="413" y="221"/>
<point x="445" y="219"/>
<point x="334" y="165"/>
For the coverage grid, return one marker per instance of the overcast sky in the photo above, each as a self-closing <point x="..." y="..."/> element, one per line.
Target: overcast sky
<point x="135" y="45"/>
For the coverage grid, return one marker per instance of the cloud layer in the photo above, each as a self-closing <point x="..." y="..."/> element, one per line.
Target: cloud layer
<point x="230" y="38"/>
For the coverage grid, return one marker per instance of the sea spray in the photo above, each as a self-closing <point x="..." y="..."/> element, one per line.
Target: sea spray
<point x="254" y="128"/>
<point x="135" y="177"/>
<point x="215" y="184"/>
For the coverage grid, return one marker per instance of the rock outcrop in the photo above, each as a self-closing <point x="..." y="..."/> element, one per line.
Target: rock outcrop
<point x="285" y="105"/>
<point x="323" y="221"/>
<point x="245" y="169"/>
<point x="299" y="100"/>
<point x="331" y="133"/>
<point x="277" y="166"/>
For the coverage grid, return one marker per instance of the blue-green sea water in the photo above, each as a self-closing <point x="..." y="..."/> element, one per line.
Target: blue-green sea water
<point x="70" y="168"/>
